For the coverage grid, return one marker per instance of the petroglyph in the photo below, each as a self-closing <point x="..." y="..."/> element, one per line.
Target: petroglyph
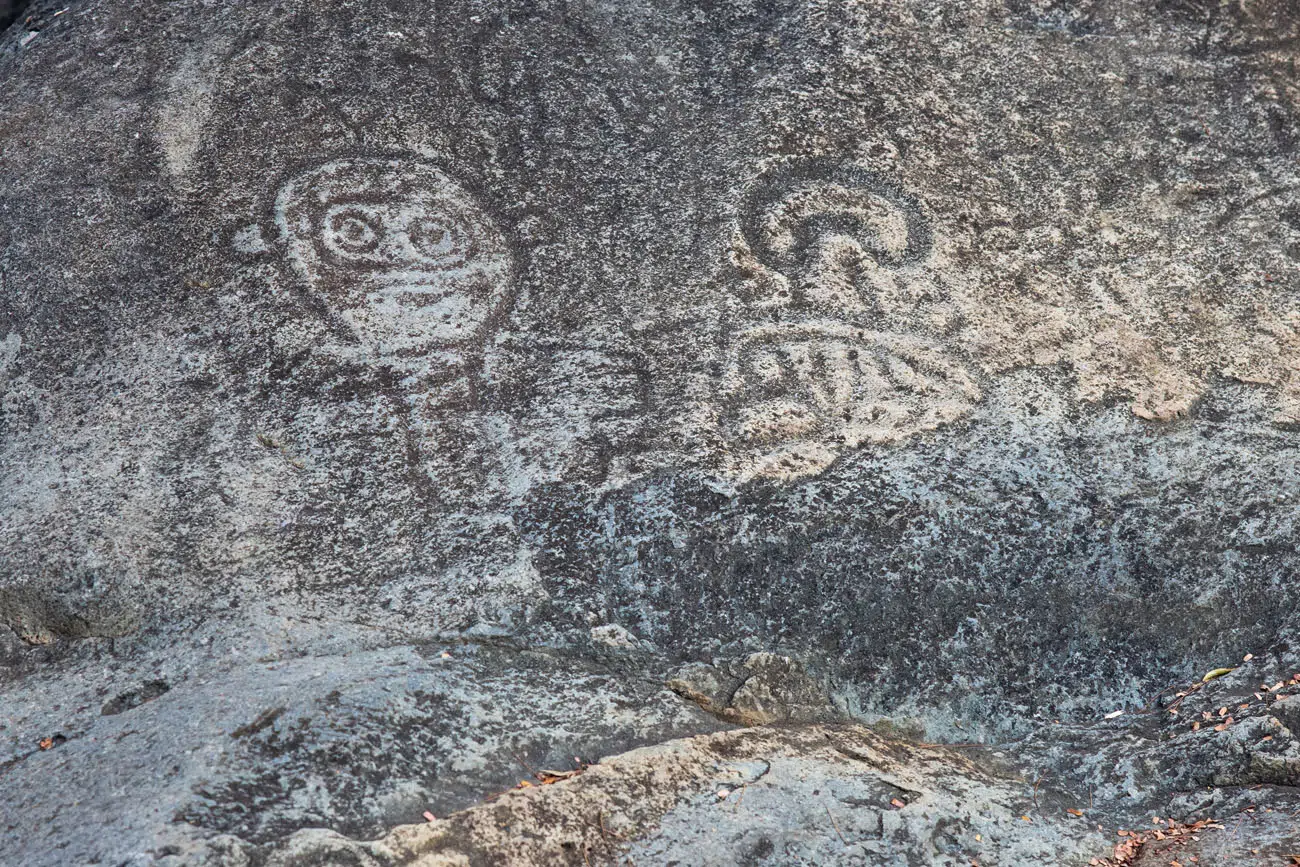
<point x="799" y="394"/>
<point x="831" y="240"/>
<point x="403" y="254"/>
<point x="839" y="243"/>
<point x="827" y="229"/>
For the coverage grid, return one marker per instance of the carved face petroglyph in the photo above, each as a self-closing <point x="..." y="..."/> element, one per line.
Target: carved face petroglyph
<point x="400" y="251"/>
<point x="832" y="375"/>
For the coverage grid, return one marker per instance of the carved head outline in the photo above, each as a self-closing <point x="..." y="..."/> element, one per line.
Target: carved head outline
<point x="400" y="251"/>
<point x="822" y="224"/>
<point x="794" y="206"/>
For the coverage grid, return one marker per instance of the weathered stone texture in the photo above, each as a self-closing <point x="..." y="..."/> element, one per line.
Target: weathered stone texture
<point x="671" y="365"/>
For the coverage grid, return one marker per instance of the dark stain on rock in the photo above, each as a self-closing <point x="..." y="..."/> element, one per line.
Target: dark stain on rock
<point x="11" y="11"/>
<point x="133" y="698"/>
<point x="263" y="720"/>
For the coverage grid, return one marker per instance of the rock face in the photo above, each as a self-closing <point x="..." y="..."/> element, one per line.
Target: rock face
<point x="812" y="796"/>
<point x="669" y="367"/>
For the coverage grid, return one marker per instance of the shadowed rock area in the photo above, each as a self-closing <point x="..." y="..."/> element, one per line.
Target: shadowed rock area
<point x="776" y="432"/>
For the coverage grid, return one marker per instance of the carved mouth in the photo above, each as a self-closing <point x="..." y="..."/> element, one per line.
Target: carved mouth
<point x="393" y="285"/>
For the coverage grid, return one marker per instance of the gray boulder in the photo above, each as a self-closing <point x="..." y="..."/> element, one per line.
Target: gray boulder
<point x="672" y="367"/>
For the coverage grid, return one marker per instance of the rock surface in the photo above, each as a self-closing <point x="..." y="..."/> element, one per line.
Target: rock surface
<point x="671" y="367"/>
<point x="815" y="795"/>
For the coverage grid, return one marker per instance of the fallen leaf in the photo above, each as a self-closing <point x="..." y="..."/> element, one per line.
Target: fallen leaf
<point x="1248" y="657"/>
<point x="897" y="803"/>
<point x="430" y="817"/>
<point x="1074" y="812"/>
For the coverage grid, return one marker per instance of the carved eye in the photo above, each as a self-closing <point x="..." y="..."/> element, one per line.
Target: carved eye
<point x="434" y="238"/>
<point x="353" y="231"/>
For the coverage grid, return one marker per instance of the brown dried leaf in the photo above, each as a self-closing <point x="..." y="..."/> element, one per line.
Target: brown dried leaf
<point x="548" y="777"/>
